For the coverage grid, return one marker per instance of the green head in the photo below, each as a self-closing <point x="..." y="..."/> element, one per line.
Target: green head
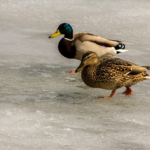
<point x="65" y="29"/>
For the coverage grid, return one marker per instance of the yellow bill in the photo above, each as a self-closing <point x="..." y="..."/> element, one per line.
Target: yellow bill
<point x="57" y="33"/>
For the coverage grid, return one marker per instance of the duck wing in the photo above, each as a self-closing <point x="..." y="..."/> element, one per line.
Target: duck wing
<point x="95" y="39"/>
<point x="123" y="66"/>
<point x="85" y="42"/>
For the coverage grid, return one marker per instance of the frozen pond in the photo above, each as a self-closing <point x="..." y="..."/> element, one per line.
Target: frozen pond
<point x="42" y="106"/>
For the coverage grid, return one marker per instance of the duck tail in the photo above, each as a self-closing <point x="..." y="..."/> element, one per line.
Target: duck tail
<point x="121" y="51"/>
<point x="120" y="48"/>
<point x="147" y="77"/>
<point x="147" y="67"/>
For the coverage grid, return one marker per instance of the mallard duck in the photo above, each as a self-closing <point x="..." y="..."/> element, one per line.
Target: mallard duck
<point x="75" y="45"/>
<point x="111" y="73"/>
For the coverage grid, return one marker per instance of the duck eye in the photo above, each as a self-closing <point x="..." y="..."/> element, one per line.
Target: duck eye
<point x="88" y="57"/>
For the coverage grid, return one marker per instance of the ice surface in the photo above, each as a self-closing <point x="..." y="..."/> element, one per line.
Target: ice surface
<point x="42" y="106"/>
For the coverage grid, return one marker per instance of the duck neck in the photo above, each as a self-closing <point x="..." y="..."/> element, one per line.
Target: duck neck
<point x="68" y="39"/>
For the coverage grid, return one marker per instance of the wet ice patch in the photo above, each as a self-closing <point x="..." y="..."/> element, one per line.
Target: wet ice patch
<point x="42" y="73"/>
<point x="69" y="79"/>
<point x="51" y="66"/>
<point x="20" y="67"/>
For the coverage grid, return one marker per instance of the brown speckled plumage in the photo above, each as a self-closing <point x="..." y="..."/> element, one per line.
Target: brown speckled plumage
<point x="110" y="73"/>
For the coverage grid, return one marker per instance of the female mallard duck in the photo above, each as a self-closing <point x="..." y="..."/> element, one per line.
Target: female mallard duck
<point x="75" y="45"/>
<point x="111" y="73"/>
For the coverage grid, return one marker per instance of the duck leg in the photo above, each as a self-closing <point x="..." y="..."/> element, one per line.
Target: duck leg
<point x="74" y="71"/>
<point x="128" y="91"/>
<point x="71" y="71"/>
<point x="111" y="95"/>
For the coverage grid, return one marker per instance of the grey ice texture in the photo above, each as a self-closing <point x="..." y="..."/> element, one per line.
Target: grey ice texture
<point x="42" y="106"/>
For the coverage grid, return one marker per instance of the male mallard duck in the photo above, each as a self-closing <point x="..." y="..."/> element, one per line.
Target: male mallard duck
<point x="111" y="73"/>
<point x="75" y="45"/>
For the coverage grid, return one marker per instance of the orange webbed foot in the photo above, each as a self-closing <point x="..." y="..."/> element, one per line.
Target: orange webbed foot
<point x="71" y="71"/>
<point x="128" y="91"/>
<point x="111" y="95"/>
<point x="104" y="98"/>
